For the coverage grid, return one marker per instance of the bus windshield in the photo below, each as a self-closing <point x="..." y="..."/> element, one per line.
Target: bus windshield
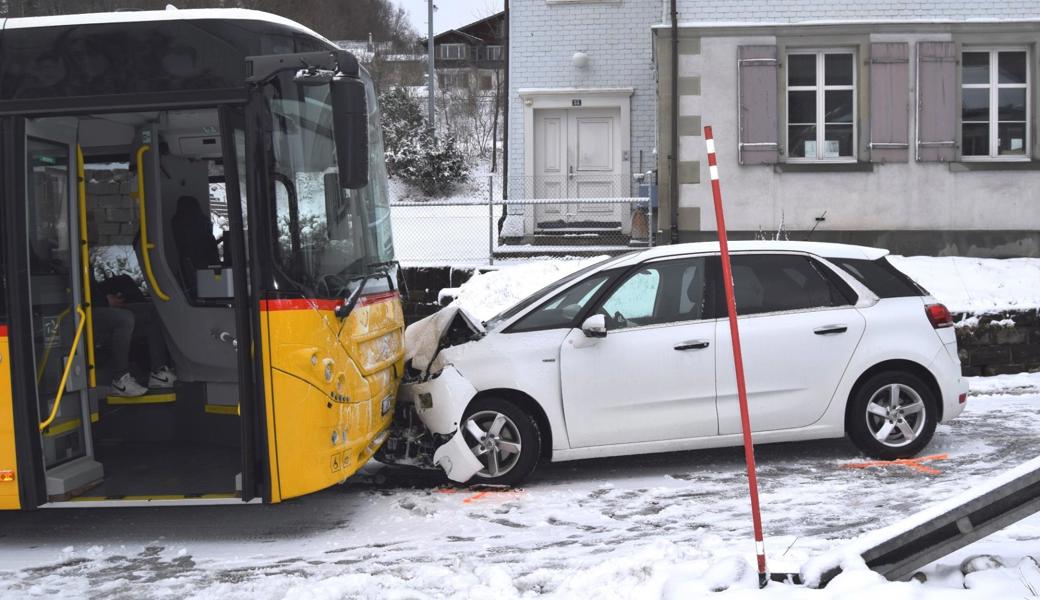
<point x="326" y="235"/>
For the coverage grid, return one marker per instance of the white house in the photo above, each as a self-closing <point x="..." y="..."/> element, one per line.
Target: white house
<point x="905" y="124"/>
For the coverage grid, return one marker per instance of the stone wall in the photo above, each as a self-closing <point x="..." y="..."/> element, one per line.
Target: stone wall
<point x="421" y="287"/>
<point x="1000" y="343"/>
<point x="111" y="214"/>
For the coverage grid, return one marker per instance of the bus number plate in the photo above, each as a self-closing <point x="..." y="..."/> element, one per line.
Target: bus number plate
<point x="384" y="406"/>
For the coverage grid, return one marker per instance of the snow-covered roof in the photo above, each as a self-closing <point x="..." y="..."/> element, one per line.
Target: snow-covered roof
<point x="169" y="14"/>
<point x="824" y="249"/>
<point x="787" y="12"/>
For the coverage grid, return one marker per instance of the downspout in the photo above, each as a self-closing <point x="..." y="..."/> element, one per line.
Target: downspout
<point x="504" y="92"/>
<point x="673" y="171"/>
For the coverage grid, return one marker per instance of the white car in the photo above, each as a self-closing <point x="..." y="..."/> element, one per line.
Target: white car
<point x="633" y="355"/>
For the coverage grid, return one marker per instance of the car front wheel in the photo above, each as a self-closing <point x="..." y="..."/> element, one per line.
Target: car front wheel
<point x="893" y="415"/>
<point x="504" y="438"/>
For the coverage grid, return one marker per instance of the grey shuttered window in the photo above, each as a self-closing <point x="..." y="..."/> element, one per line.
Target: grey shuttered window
<point x="759" y="125"/>
<point x="936" y="101"/>
<point x="889" y="102"/>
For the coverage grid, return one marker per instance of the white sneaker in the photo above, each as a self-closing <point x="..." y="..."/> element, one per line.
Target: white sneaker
<point x="162" y="378"/>
<point x="128" y="387"/>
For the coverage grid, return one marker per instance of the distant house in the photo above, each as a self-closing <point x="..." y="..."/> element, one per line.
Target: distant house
<point x="905" y="124"/>
<point x="389" y="66"/>
<point x="471" y="57"/>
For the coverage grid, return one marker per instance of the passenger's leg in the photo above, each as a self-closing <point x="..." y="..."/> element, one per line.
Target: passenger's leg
<point x="161" y="371"/>
<point x="120" y="323"/>
<point x="148" y="320"/>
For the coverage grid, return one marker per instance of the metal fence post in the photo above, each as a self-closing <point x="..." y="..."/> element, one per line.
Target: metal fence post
<point x="649" y="219"/>
<point x="491" y="219"/>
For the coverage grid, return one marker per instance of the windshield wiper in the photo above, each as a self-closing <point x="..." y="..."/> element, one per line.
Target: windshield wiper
<point x="343" y="311"/>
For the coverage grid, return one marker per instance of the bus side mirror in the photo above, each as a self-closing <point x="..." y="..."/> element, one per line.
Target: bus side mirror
<point x="350" y="125"/>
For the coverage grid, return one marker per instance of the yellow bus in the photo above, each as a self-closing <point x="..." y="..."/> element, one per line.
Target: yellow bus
<point x="198" y="297"/>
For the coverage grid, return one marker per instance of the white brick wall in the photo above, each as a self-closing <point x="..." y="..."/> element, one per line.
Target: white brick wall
<point x="616" y="35"/>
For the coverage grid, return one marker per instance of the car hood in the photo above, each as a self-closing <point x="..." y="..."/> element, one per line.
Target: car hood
<point x="424" y="339"/>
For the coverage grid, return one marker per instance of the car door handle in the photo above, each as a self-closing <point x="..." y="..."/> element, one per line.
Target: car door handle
<point x="829" y="329"/>
<point x="692" y="345"/>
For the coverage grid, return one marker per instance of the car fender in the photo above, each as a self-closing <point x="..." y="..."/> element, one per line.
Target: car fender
<point x="897" y="333"/>
<point x="441" y="400"/>
<point x="526" y="362"/>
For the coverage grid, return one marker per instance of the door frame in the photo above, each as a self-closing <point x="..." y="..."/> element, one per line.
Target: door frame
<point x="251" y="395"/>
<point x="28" y="447"/>
<point x="533" y="99"/>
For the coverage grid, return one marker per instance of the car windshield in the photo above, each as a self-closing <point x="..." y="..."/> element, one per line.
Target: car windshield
<point x="519" y="307"/>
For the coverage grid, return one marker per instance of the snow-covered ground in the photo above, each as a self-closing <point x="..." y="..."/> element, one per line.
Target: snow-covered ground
<point x="658" y="526"/>
<point x="976" y="285"/>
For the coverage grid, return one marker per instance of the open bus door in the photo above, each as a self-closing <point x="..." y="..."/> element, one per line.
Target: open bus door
<point x="49" y="314"/>
<point x="227" y="366"/>
<point x="137" y="453"/>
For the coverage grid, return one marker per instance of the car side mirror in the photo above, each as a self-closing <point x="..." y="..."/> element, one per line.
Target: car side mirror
<point x="595" y="327"/>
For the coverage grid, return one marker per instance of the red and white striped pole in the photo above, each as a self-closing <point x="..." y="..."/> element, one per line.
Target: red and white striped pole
<point x="731" y="304"/>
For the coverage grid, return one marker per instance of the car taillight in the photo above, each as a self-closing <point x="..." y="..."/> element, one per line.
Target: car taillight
<point x="939" y="316"/>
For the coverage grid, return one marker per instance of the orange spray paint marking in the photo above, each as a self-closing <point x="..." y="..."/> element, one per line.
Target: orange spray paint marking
<point x="503" y="495"/>
<point x="914" y="464"/>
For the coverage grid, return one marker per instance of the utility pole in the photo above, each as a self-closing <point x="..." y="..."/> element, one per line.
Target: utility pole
<point x="431" y="83"/>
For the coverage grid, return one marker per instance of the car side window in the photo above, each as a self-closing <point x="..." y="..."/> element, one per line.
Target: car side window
<point x="663" y="292"/>
<point x="562" y="309"/>
<point x="632" y="303"/>
<point x="766" y="283"/>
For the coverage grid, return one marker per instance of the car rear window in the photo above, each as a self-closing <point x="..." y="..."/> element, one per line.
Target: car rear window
<point x="881" y="277"/>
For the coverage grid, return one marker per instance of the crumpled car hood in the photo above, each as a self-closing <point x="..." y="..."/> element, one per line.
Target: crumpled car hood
<point x="424" y="339"/>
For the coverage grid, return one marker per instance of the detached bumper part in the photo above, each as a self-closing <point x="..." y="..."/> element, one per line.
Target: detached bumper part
<point x="457" y="459"/>
<point x="440" y="402"/>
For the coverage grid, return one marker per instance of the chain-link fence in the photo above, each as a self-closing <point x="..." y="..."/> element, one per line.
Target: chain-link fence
<point x="551" y="216"/>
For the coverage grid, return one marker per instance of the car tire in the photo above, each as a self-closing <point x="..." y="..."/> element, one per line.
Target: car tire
<point x="892" y="415"/>
<point x="494" y="428"/>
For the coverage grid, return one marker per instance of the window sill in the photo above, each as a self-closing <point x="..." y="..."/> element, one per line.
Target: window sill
<point x="994" y="165"/>
<point x="824" y="167"/>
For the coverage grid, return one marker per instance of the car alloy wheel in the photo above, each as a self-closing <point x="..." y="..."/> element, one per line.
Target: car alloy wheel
<point x="495" y="440"/>
<point x="896" y="415"/>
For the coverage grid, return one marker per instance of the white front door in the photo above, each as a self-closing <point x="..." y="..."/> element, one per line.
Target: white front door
<point x="797" y="335"/>
<point x="652" y="378"/>
<point x="578" y="154"/>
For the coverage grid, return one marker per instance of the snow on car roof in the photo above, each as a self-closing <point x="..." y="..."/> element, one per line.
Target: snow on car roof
<point x="823" y="249"/>
<point x="170" y="14"/>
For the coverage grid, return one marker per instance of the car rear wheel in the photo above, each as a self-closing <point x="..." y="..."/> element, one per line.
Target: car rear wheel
<point x="504" y="438"/>
<point x="893" y="415"/>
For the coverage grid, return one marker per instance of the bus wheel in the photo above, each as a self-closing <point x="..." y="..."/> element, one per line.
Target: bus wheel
<point x="504" y="438"/>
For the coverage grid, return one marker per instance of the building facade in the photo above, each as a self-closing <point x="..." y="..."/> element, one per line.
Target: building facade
<point x="908" y="125"/>
<point x="471" y="58"/>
